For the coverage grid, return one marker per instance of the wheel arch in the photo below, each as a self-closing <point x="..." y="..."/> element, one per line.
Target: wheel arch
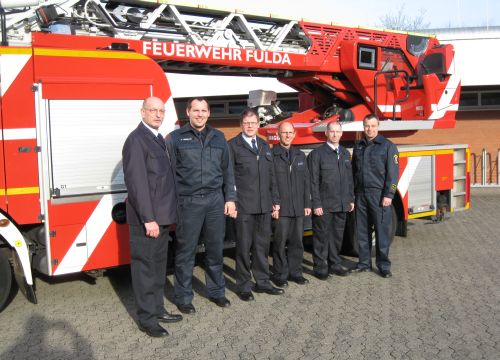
<point x="397" y="203"/>
<point x="11" y="237"/>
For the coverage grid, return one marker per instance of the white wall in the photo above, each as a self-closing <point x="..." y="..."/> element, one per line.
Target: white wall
<point x="477" y="54"/>
<point x="183" y="85"/>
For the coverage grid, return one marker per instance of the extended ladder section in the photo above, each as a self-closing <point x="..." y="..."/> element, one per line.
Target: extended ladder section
<point x="149" y="20"/>
<point x="348" y="71"/>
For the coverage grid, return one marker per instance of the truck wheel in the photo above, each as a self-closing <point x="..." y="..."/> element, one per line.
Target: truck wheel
<point x="5" y="277"/>
<point x="350" y="244"/>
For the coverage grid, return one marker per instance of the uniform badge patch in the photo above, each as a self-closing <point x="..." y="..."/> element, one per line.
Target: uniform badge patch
<point x="394" y="186"/>
<point x="395" y="159"/>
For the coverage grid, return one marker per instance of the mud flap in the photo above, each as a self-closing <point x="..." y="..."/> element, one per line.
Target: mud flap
<point x="20" y="257"/>
<point x="27" y="290"/>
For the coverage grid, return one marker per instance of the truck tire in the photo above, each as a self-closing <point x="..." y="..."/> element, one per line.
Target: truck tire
<point x="350" y="244"/>
<point x="6" y="277"/>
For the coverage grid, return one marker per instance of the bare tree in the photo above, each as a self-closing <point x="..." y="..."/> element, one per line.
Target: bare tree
<point x="402" y="21"/>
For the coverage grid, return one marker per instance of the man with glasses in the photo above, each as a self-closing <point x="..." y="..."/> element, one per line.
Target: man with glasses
<point x="258" y="197"/>
<point x="292" y="177"/>
<point x="205" y="188"/>
<point x="332" y="197"/>
<point x="151" y="209"/>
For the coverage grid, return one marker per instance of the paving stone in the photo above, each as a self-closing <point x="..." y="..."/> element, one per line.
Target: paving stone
<point x="442" y="303"/>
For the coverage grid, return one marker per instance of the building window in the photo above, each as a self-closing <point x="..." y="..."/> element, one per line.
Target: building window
<point x="469" y="99"/>
<point x="237" y="107"/>
<point x="217" y="108"/>
<point x="480" y="100"/>
<point x="490" y="98"/>
<point x="230" y="107"/>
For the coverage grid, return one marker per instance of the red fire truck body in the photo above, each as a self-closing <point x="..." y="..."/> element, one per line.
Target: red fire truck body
<point x="68" y="101"/>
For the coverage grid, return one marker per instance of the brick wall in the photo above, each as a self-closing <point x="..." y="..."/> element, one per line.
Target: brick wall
<point x="479" y="129"/>
<point x="230" y="128"/>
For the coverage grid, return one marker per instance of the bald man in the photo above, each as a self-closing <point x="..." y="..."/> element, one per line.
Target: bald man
<point x="292" y="177"/>
<point x="332" y="198"/>
<point x="151" y="209"/>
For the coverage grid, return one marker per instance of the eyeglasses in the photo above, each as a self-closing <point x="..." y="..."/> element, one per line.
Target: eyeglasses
<point x="250" y="123"/>
<point x="287" y="132"/>
<point x="153" y="111"/>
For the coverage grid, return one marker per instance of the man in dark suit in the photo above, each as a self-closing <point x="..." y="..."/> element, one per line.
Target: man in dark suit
<point x="151" y="209"/>
<point x="292" y="177"/>
<point x="257" y="196"/>
<point x="332" y="197"/>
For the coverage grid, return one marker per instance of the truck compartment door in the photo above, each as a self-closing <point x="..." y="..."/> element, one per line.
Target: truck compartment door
<point x="421" y="192"/>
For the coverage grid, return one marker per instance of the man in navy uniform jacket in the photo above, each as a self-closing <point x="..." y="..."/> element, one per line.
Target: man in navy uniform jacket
<point x="376" y="175"/>
<point x="332" y="198"/>
<point x="292" y="177"/>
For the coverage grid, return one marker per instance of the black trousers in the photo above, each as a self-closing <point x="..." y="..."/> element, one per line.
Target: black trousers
<point x="370" y="213"/>
<point x="288" y="249"/>
<point x="199" y="217"/>
<point x="328" y="233"/>
<point x="148" y="268"/>
<point x="253" y="235"/>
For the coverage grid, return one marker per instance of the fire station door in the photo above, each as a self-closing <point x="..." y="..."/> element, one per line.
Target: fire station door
<point x="421" y="194"/>
<point x="84" y="139"/>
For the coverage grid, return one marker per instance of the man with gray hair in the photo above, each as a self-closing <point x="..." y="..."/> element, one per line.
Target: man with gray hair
<point x="151" y="209"/>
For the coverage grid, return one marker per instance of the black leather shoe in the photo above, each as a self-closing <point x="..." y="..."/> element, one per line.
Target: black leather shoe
<point x="246" y="296"/>
<point x="280" y="283"/>
<point x="339" y="271"/>
<point x="221" y="301"/>
<point x="385" y="273"/>
<point x="298" y="280"/>
<point x="270" y="291"/>
<point x="360" y="270"/>
<point x="169" y="318"/>
<point x="186" y="308"/>
<point x="321" y="276"/>
<point x="154" y="331"/>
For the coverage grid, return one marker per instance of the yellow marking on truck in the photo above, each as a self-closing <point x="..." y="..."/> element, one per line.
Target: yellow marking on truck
<point x="423" y="214"/>
<point x="308" y="233"/>
<point x="425" y="153"/>
<point x="15" y="51"/>
<point x="90" y="54"/>
<point x="20" y="191"/>
<point x="467" y="160"/>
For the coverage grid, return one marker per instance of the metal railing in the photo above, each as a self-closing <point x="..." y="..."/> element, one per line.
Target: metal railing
<point x="483" y="168"/>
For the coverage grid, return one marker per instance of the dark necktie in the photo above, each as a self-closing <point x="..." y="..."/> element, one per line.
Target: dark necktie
<point x="254" y="146"/>
<point x="161" y="140"/>
<point x="336" y="151"/>
<point x="202" y="135"/>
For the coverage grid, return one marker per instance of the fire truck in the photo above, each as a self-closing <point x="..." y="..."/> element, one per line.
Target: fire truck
<point x="73" y="74"/>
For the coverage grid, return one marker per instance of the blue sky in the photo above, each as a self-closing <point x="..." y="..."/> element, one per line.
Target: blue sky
<point x="439" y="13"/>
